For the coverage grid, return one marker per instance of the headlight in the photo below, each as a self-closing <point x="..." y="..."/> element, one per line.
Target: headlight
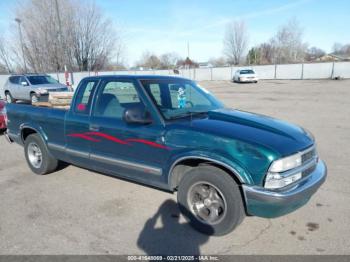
<point x="286" y="163"/>
<point x="275" y="177"/>
<point x="41" y="91"/>
<point x="276" y="180"/>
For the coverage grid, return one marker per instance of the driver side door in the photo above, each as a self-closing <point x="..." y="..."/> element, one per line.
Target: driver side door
<point x="131" y="150"/>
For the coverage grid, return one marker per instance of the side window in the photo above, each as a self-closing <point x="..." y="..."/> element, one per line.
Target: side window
<point x="115" y="97"/>
<point x="23" y="79"/>
<point x="83" y="101"/>
<point x="14" y="80"/>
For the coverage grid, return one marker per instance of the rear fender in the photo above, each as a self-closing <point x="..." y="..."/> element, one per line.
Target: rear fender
<point x="34" y="127"/>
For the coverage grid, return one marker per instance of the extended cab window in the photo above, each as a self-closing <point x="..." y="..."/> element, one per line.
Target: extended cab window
<point x="84" y="97"/>
<point x="115" y="97"/>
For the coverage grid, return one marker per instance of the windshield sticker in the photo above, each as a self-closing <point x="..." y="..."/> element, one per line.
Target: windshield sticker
<point x="181" y="98"/>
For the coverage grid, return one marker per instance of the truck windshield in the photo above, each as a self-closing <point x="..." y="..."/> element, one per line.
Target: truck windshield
<point x="40" y="80"/>
<point x="178" y="98"/>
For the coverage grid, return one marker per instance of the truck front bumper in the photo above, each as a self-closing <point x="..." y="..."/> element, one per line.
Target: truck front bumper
<point x="268" y="203"/>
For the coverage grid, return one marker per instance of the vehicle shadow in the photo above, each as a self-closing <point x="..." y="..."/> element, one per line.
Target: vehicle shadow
<point x="172" y="237"/>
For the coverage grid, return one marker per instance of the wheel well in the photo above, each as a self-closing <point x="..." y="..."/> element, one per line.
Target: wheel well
<point x="179" y="170"/>
<point x="26" y="132"/>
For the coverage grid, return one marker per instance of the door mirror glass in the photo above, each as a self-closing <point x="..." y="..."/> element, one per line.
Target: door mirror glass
<point x="24" y="83"/>
<point x="137" y="115"/>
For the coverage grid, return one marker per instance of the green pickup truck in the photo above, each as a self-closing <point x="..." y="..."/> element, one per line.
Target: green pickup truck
<point x="170" y="133"/>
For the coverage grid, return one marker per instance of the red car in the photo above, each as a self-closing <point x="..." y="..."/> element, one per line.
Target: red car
<point x="2" y="115"/>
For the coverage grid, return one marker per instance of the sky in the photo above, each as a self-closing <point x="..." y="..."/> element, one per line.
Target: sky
<point x="161" y="26"/>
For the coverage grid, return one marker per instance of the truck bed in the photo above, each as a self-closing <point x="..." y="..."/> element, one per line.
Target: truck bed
<point x="49" y="119"/>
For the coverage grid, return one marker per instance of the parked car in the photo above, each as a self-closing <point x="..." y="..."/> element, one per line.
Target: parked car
<point x="169" y="133"/>
<point x="2" y="115"/>
<point x="30" y="87"/>
<point x="245" y="76"/>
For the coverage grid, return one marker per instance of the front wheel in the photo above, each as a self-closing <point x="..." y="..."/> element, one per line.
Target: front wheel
<point x="33" y="98"/>
<point x="9" y="98"/>
<point x="39" y="159"/>
<point x="210" y="199"/>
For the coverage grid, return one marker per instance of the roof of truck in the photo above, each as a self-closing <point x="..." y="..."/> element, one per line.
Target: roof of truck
<point x="143" y="77"/>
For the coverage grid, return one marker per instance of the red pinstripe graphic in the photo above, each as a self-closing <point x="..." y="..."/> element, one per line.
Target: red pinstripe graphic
<point x="85" y="137"/>
<point x="108" y="137"/>
<point x="147" y="142"/>
<point x="88" y="136"/>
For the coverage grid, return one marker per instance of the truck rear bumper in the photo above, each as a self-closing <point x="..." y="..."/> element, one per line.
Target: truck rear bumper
<point x="267" y="203"/>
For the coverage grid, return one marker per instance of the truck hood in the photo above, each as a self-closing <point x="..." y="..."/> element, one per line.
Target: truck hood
<point x="279" y="136"/>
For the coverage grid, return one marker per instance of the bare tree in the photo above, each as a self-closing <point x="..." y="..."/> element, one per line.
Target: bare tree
<point x="73" y="33"/>
<point x="339" y="49"/>
<point x="169" y="60"/>
<point x="149" y="61"/>
<point x="5" y="62"/>
<point x="218" y="62"/>
<point x="314" y="53"/>
<point x="288" y="43"/>
<point x="235" y="41"/>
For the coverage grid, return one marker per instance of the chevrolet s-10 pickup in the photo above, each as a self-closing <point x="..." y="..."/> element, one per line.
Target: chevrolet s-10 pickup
<point x="169" y="133"/>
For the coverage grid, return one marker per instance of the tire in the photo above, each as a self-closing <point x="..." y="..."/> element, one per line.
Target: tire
<point x="229" y="211"/>
<point x="9" y="98"/>
<point x="34" y="148"/>
<point x="33" y="98"/>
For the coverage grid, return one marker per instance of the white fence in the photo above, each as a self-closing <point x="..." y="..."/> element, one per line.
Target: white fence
<point x="290" y="71"/>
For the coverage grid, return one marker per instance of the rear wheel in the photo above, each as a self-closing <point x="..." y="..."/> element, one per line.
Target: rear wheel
<point x="211" y="201"/>
<point x="39" y="159"/>
<point x="9" y="98"/>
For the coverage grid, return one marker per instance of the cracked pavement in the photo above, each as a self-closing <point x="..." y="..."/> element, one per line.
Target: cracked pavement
<point x="75" y="211"/>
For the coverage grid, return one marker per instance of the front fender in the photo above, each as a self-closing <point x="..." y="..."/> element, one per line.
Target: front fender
<point x="239" y="172"/>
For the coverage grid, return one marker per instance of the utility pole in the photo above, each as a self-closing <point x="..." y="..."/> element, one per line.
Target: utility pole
<point x="188" y="49"/>
<point x="61" y="46"/>
<point x="19" y="21"/>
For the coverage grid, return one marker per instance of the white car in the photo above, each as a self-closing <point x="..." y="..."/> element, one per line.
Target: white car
<point x="245" y="76"/>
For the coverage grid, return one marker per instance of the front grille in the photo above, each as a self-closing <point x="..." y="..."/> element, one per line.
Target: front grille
<point x="308" y="171"/>
<point x="308" y="155"/>
<point x="58" y="90"/>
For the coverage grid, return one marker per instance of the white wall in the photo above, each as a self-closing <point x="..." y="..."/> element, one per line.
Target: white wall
<point x="293" y="71"/>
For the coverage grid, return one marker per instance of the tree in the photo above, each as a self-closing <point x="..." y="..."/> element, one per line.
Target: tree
<point x="339" y="49"/>
<point x="169" y="60"/>
<point x="254" y="56"/>
<point x="288" y="43"/>
<point x="218" y="62"/>
<point x="5" y="63"/>
<point x="149" y="61"/>
<point x="235" y="41"/>
<point x="73" y="33"/>
<point x="314" y="53"/>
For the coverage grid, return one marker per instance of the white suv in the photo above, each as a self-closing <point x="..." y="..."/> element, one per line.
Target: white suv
<point x="30" y="87"/>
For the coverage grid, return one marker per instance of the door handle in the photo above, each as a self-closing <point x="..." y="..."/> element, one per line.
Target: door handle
<point x="94" y="128"/>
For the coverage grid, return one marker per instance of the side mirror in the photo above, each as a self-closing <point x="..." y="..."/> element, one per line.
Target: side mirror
<point x="137" y="115"/>
<point x="24" y="83"/>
